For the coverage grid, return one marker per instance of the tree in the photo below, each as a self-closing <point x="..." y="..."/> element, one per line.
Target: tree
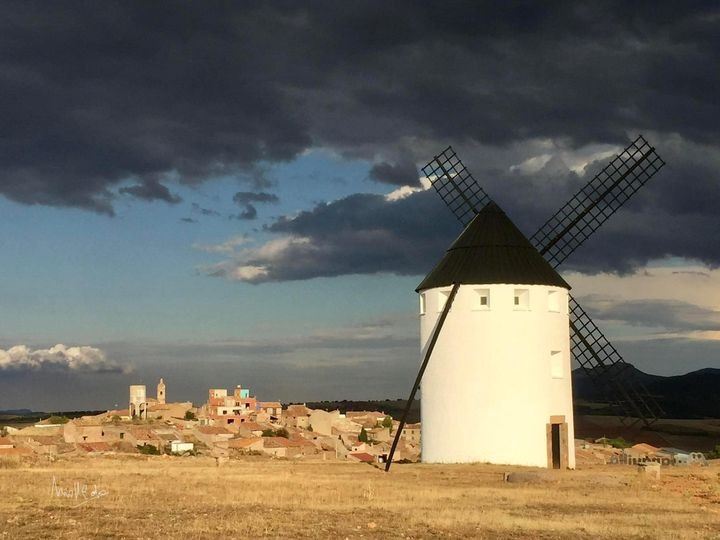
<point x="387" y="422"/>
<point x="189" y="415"/>
<point x="57" y="419"/>
<point x="363" y="437"/>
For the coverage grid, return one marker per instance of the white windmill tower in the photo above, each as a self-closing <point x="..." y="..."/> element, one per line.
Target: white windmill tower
<point x="498" y="387"/>
<point x="505" y="344"/>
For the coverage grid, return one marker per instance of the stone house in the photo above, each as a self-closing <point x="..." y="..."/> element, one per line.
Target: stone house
<point x="212" y="435"/>
<point x="84" y="431"/>
<point x="246" y="445"/>
<point x="297" y="416"/>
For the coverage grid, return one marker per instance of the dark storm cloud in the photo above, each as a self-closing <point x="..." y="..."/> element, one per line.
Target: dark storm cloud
<point x="403" y="173"/>
<point x="361" y="234"/>
<point x="249" y="213"/>
<point x="246" y="198"/>
<point x="151" y="190"/>
<point x="95" y="96"/>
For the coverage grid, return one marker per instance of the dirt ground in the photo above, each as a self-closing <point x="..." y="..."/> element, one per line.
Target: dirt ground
<point x="193" y="498"/>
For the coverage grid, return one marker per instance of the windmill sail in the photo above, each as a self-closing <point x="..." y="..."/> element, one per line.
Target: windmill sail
<point x="601" y="197"/>
<point x="562" y="234"/>
<point x="606" y="368"/>
<point x="456" y="186"/>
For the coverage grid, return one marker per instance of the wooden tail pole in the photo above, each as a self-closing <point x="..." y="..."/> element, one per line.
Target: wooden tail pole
<point x="416" y="385"/>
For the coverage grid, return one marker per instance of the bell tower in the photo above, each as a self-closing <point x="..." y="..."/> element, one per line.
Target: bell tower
<point x="161" y="391"/>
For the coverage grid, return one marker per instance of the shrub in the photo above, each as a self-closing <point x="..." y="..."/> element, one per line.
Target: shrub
<point x="617" y="442"/>
<point x="189" y="415"/>
<point x="363" y="437"/>
<point x="282" y="432"/>
<point x="148" y="449"/>
<point x="56" y="419"/>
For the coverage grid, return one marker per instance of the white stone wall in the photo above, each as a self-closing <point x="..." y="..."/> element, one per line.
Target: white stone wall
<point x="490" y="387"/>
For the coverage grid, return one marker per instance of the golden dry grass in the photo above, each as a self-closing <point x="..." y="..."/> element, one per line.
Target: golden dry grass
<point x="192" y="498"/>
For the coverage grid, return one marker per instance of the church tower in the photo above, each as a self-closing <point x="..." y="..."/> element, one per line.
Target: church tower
<point x="161" y="391"/>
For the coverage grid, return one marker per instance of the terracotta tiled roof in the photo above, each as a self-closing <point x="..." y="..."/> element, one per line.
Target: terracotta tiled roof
<point x="140" y="433"/>
<point x="95" y="447"/>
<point x="243" y="443"/>
<point x="4" y="441"/>
<point x="266" y="404"/>
<point x="297" y="410"/>
<point x="277" y="442"/>
<point x="212" y="430"/>
<point x="363" y="456"/>
<point x="253" y="426"/>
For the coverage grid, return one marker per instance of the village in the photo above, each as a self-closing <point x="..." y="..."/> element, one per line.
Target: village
<point x="235" y="423"/>
<point x="230" y="424"/>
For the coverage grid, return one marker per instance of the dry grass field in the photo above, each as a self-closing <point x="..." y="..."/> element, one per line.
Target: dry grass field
<point x="192" y="498"/>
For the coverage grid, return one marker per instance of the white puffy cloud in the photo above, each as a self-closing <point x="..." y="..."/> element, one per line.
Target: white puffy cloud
<point x="59" y="357"/>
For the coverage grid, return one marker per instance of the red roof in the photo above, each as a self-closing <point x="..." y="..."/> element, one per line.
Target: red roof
<point x="243" y="443"/>
<point x="253" y="426"/>
<point x="297" y="410"/>
<point x="95" y="447"/>
<point x="277" y="442"/>
<point x="212" y="430"/>
<point x="364" y="457"/>
<point x="141" y="433"/>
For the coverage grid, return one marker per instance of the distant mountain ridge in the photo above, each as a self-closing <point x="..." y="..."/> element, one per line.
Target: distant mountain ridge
<point x="692" y="395"/>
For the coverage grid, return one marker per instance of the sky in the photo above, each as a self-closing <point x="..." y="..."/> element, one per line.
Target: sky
<point x="231" y="193"/>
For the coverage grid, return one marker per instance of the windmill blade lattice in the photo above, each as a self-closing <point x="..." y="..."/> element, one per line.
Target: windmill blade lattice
<point x="590" y="207"/>
<point x="606" y="368"/>
<point x="456" y="186"/>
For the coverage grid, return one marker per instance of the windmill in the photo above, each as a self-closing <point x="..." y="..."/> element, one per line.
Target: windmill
<point x="554" y="241"/>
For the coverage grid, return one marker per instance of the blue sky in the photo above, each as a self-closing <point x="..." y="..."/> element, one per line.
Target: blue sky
<point x="183" y="196"/>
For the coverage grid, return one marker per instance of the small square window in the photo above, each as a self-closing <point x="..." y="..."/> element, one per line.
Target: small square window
<point x="521" y="299"/>
<point x="482" y="299"/>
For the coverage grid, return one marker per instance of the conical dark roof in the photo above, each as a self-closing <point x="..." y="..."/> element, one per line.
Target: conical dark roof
<point x="492" y="249"/>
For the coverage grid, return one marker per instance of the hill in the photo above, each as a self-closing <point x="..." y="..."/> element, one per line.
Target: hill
<point x="692" y="395"/>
